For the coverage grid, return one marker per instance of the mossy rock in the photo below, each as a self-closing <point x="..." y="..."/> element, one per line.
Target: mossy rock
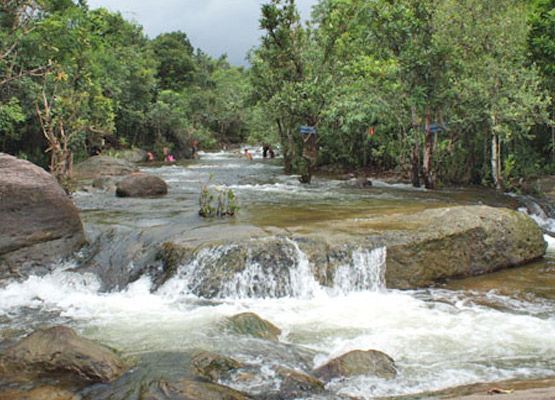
<point x="189" y="390"/>
<point x="59" y="352"/>
<point x="296" y="384"/>
<point x="358" y="362"/>
<point x="250" y="324"/>
<point x="213" y="366"/>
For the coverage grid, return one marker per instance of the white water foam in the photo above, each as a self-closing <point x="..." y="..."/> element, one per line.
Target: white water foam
<point x="541" y="218"/>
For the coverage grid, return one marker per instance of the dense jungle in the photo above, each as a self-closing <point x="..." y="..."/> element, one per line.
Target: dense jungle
<point x="440" y="92"/>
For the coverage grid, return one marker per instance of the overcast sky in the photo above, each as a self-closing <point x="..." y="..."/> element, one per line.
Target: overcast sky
<point x="214" y="26"/>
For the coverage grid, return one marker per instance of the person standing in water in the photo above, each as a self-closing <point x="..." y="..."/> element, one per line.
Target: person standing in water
<point x="247" y="155"/>
<point x="265" y="149"/>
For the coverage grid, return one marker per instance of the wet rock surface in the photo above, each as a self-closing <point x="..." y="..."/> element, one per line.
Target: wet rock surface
<point x="189" y="390"/>
<point x="213" y="366"/>
<point x="250" y="324"/>
<point x="39" y="223"/>
<point x="59" y="352"/>
<point x="358" y="362"/>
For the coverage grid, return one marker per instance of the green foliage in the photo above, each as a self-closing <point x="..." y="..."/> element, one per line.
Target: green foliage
<point x="481" y="70"/>
<point x="11" y="114"/>
<point x="216" y="202"/>
<point x="174" y="55"/>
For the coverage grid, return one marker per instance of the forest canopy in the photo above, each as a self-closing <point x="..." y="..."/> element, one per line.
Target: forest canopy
<point x="450" y="91"/>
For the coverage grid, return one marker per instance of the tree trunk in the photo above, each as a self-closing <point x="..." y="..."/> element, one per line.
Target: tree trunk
<point x="495" y="159"/>
<point x="414" y="155"/>
<point x="427" y="170"/>
<point x="364" y="152"/>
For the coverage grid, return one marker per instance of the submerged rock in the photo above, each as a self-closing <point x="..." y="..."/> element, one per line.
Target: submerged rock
<point x="358" y="362"/>
<point x="141" y="185"/>
<point x="60" y="352"/>
<point x="296" y="384"/>
<point x="39" y="223"/>
<point x="97" y="166"/>
<point x="250" y="324"/>
<point x="213" y="366"/>
<point x="189" y="390"/>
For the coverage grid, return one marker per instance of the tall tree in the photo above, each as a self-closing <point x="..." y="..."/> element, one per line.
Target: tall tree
<point x="490" y="40"/>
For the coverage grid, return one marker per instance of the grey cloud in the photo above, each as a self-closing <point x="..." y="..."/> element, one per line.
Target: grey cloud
<point x="214" y="26"/>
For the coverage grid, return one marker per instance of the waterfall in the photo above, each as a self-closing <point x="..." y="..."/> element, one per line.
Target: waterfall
<point x="271" y="268"/>
<point x="365" y="272"/>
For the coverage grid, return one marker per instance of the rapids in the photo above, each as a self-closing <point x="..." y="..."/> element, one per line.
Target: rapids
<point x="483" y="329"/>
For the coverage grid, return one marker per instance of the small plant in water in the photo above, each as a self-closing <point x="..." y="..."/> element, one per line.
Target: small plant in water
<point x="224" y="201"/>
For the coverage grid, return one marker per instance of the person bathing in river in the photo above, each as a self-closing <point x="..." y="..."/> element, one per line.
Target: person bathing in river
<point x="194" y="149"/>
<point x="247" y="155"/>
<point x="265" y="149"/>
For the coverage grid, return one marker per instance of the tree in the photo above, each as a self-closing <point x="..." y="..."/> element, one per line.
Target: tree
<point x="174" y="54"/>
<point x="489" y="37"/>
<point x="541" y="40"/>
<point x="70" y="102"/>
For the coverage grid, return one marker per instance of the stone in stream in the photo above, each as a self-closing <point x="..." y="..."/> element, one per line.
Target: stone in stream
<point x="293" y="384"/>
<point x="39" y="223"/>
<point x="59" y="352"/>
<point x="358" y="362"/>
<point x="141" y="185"/>
<point x="213" y="366"/>
<point x="189" y="390"/>
<point x="250" y="324"/>
<point x="296" y="384"/>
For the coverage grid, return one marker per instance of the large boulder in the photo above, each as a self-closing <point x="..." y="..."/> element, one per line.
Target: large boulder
<point x="358" y="362"/>
<point x="141" y="185"/>
<point x="96" y="166"/>
<point x="59" y="352"/>
<point x="460" y="241"/>
<point x="430" y="246"/>
<point x="39" y="223"/>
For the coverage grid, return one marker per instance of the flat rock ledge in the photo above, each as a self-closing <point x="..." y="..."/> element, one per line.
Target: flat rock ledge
<point x="421" y="249"/>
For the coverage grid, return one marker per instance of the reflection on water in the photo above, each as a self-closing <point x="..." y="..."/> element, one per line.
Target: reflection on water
<point x="490" y="328"/>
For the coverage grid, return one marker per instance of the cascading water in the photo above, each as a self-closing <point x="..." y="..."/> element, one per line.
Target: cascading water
<point x="493" y="328"/>
<point x="365" y="272"/>
<point x="289" y="274"/>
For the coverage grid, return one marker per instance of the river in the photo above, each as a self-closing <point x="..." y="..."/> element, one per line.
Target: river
<point x="483" y="329"/>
